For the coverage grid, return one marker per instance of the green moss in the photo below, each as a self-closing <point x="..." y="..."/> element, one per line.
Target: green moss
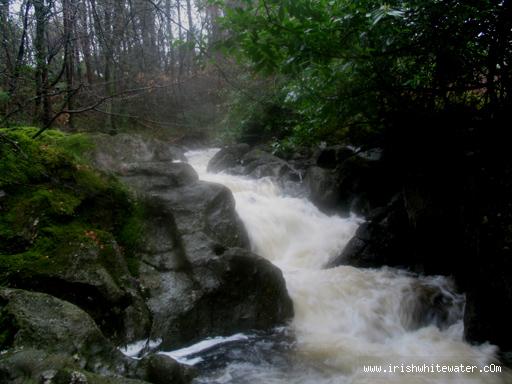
<point x="68" y="375"/>
<point x="54" y="201"/>
<point x="129" y="235"/>
<point x="7" y="328"/>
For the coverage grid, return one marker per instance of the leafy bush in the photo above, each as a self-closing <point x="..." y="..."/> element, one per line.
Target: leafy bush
<point x="257" y="113"/>
<point x="351" y="70"/>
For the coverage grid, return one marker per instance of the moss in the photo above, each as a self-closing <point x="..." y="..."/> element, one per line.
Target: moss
<point x="129" y="235"/>
<point x="7" y="328"/>
<point x="70" y="375"/>
<point x="53" y="201"/>
<point x="48" y="253"/>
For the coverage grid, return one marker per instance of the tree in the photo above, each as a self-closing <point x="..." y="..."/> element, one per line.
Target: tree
<point x="109" y="64"/>
<point x="353" y="68"/>
<point x="42" y="100"/>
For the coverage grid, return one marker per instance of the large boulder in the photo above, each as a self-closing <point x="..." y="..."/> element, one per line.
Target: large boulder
<point x="428" y="231"/>
<point x="196" y="274"/>
<point x="92" y="272"/>
<point x="40" y="321"/>
<point x="336" y="179"/>
<point x="233" y="292"/>
<point x="431" y="301"/>
<point x="240" y="159"/>
<point x="52" y="341"/>
<point x="114" y="153"/>
<point x="344" y="180"/>
<point x="228" y="158"/>
<point x="65" y="229"/>
<point x="157" y="176"/>
<point x="160" y="369"/>
<point x="189" y="265"/>
<point x="322" y="188"/>
<point x="384" y="239"/>
<point x="259" y="163"/>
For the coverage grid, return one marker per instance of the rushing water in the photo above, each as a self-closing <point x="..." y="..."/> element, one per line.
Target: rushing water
<point x="344" y="317"/>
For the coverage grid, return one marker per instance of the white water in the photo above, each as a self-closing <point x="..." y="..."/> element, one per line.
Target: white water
<point x="344" y="317"/>
<point x="181" y="355"/>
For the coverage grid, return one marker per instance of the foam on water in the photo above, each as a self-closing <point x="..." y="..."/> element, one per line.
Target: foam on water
<point x="344" y="317"/>
<point x="181" y="355"/>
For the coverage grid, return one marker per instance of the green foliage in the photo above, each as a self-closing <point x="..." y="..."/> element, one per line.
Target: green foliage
<point x="7" y="329"/>
<point x="54" y="202"/>
<point x="257" y="113"/>
<point x="128" y="234"/>
<point x="348" y="67"/>
<point x="4" y="97"/>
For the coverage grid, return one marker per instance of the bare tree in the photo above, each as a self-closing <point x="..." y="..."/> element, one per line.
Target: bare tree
<point x="133" y="61"/>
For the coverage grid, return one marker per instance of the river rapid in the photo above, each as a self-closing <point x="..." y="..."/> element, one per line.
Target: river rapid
<point x="345" y="317"/>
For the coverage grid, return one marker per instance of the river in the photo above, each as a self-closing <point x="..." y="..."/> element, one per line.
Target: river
<point x="345" y="317"/>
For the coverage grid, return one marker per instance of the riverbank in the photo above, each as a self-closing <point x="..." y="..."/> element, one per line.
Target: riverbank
<point x="235" y="274"/>
<point x="435" y="224"/>
<point x="120" y="235"/>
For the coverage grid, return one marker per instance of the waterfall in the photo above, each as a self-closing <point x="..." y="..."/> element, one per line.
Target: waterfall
<point x="345" y="317"/>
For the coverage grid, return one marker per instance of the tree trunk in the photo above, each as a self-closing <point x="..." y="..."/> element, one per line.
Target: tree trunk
<point x="42" y="104"/>
<point x="68" y="22"/>
<point x="21" y="52"/>
<point x="171" y="61"/>
<point x="6" y="35"/>
<point x="85" y="41"/>
<point x="180" y="36"/>
<point x="190" y="39"/>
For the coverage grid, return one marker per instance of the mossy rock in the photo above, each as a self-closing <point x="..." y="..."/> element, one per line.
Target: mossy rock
<point x="28" y="365"/>
<point x="40" y="321"/>
<point x="51" y="340"/>
<point x="69" y="230"/>
<point x="75" y="376"/>
<point x="46" y="333"/>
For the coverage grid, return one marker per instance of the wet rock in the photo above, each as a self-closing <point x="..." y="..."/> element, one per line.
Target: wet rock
<point x="228" y="158"/>
<point x="28" y="365"/>
<point x="430" y="229"/>
<point x="322" y="188"/>
<point x="337" y="179"/>
<point x="114" y="153"/>
<point x="240" y="159"/>
<point x="384" y="239"/>
<point x="332" y="156"/>
<point x="42" y="322"/>
<point x="80" y="274"/>
<point x="487" y="291"/>
<point x="204" y="214"/>
<point x="161" y="369"/>
<point x="197" y="294"/>
<point x="236" y="292"/>
<point x="32" y="365"/>
<point x="431" y="301"/>
<point x="160" y="245"/>
<point x="189" y="234"/>
<point x="342" y="180"/>
<point x="70" y="376"/>
<point x="157" y="176"/>
<point x="51" y="340"/>
<point x="258" y="163"/>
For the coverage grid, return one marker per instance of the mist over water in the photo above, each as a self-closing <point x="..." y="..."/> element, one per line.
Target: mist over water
<point x="344" y="317"/>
